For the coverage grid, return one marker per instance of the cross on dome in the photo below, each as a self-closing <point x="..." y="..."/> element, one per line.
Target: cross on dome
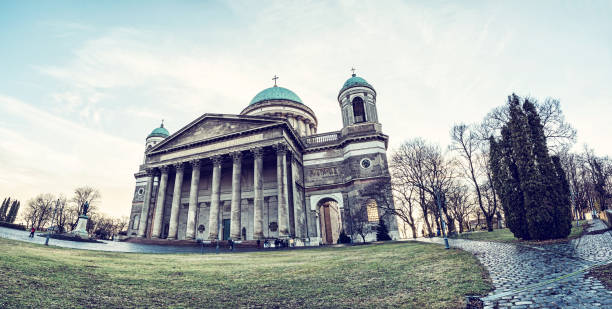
<point x="353" y="69"/>
<point x="275" y="78"/>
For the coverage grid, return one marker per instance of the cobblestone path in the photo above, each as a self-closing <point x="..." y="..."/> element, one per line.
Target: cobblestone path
<point x="542" y="276"/>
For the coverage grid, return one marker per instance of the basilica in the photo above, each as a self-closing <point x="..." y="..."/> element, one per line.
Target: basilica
<point x="267" y="173"/>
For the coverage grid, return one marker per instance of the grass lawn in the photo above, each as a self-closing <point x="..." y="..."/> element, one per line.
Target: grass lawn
<point x="401" y="274"/>
<point x="504" y="235"/>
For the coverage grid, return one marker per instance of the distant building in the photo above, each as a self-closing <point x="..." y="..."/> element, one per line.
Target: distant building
<point x="267" y="173"/>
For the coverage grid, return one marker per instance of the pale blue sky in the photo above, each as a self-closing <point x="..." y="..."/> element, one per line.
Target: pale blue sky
<point x="83" y="83"/>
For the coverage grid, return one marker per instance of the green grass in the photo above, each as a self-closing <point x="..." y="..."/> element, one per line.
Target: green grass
<point x="504" y="235"/>
<point x="401" y="274"/>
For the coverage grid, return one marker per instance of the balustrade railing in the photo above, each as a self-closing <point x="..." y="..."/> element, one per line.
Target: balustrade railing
<point x="322" y="138"/>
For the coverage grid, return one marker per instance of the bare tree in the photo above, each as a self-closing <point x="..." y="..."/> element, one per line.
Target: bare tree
<point x="460" y="205"/>
<point x="85" y="194"/>
<point x="466" y="144"/>
<point x="409" y="169"/>
<point x="39" y="210"/>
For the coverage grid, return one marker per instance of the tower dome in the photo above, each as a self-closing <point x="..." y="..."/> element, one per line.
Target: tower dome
<point x="355" y="81"/>
<point x="156" y="136"/>
<point x="159" y="132"/>
<point x="357" y="99"/>
<point x="276" y="93"/>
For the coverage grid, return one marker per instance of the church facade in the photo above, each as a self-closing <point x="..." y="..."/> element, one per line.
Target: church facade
<point x="267" y="173"/>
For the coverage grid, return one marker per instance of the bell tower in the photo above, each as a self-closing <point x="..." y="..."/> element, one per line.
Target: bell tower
<point x="357" y="99"/>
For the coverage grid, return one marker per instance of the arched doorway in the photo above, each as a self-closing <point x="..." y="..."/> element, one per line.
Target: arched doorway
<point x="330" y="221"/>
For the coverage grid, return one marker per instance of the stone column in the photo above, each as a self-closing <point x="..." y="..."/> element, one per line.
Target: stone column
<point x="193" y="199"/>
<point x="235" y="206"/>
<point x="144" y="211"/>
<point x="159" y="205"/>
<point x="213" y="216"/>
<point x="306" y="127"/>
<point x="258" y="194"/>
<point x="283" y="219"/>
<point x="300" y="125"/>
<point x="176" y="202"/>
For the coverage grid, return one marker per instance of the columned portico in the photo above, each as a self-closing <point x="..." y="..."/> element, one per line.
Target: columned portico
<point x="258" y="193"/>
<point x="176" y="201"/>
<point x="144" y="212"/>
<point x="215" y="197"/>
<point x="193" y="199"/>
<point x="159" y="204"/>
<point x="235" y="206"/>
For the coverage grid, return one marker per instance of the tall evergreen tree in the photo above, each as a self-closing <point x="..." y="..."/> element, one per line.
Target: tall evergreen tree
<point x="531" y="183"/>
<point x="507" y="184"/>
<point x="382" y="233"/>
<point x="555" y="197"/>
<point x="538" y="218"/>
<point x="564" y="208"/>
<point x="4" y="208"/>
<point x="12" y="215"/>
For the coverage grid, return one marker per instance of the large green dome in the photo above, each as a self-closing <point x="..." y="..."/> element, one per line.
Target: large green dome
<point x="355" y="81"/>
<point x="276" y="93"/>
<point x="159" y="132"/>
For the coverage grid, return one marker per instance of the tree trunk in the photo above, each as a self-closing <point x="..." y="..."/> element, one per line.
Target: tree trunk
<point x="414" y="235"/>
<point x="489" y="223"/>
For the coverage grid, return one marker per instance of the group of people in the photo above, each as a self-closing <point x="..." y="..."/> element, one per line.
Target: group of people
<point x="278" y="243"/>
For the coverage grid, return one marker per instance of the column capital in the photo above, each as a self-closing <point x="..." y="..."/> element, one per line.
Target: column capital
<point x="257" y="152"/>
<point x="196" y="163"/>
<point x="281" y="148"/>
<point x="164" y="169"/>
<point x="179" y="166"/>
<point x="217" y="160"/>
<point x="236" y="156"/>
<point x="149" y="171"/>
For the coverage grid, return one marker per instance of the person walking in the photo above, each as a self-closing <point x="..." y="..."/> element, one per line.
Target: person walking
<point x="32" y="230"/>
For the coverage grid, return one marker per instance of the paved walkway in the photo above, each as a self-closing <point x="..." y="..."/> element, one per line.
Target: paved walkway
<point x="544" y="276"/>
<point x="114" y="246"/>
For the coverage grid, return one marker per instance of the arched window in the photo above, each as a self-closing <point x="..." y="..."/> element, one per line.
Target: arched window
<point x="358" y="110"/>
<point x="136" y="222"/>
<point x="372" y="209"/>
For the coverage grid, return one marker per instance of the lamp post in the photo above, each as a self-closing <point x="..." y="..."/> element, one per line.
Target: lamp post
<point x="437" y="193"/>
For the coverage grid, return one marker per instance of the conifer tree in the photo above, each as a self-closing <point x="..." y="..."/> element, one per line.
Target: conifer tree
<point x="12" y="215"/>
<point x="4" y="208"/>
<point x="507" y="185"/>
<point x="564" y="208"/>
<point x="382" y="233"/>
<point x="531" y="183"/>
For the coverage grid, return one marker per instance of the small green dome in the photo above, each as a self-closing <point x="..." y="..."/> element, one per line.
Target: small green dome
<point x="276" y="93"/>
<point x="159" y="132"/>
<point x="355" y="81"/>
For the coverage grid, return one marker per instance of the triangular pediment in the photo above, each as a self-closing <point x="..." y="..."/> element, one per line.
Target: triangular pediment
<point x="210" y="126"/>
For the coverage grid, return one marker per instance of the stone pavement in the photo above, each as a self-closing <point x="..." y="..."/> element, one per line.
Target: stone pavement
<point x="544" y="276"/>
<point x="114" y="246"/>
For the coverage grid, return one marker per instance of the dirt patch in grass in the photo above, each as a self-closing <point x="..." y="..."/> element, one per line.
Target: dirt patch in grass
<point x="401" y="274"/>
<point x="604" y="274"/>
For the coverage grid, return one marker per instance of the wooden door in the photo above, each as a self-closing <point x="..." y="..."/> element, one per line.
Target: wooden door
<point x="328" y="228"/>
